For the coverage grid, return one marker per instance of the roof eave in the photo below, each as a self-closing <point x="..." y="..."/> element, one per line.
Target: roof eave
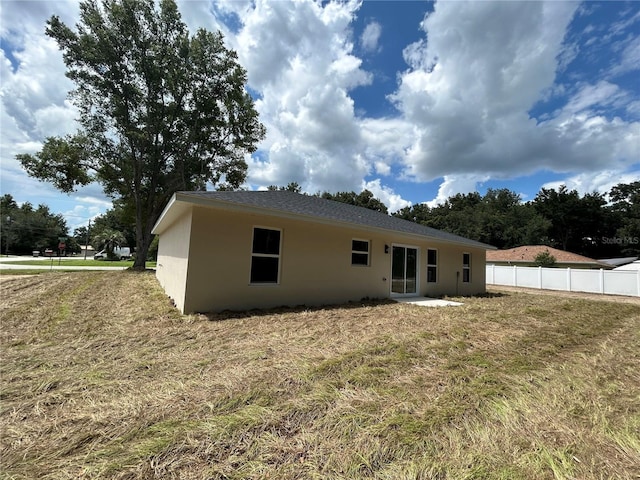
<point x="165" y="217"/>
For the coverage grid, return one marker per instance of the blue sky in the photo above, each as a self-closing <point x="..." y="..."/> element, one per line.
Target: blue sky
<point x="415" y="101"/>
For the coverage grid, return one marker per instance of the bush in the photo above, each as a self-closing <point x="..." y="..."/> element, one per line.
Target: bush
<point x="545" y="259"/>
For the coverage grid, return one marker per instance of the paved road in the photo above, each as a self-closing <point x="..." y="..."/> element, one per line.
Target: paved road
<point x="52" y="263"/>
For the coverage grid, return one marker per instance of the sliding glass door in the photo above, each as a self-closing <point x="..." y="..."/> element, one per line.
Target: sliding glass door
<point x="404" y="270"/>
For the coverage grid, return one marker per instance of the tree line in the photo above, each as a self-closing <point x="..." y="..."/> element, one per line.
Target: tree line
<point x="595" y="225"/>
<point x="25" y="228"/>
<point x="589" y="225"/>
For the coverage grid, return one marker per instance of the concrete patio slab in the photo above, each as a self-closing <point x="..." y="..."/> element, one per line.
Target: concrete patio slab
<point x="428" y="302"/>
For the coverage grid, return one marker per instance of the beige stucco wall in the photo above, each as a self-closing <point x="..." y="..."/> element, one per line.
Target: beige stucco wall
<point x="450" y="270"/>
<point x="315" y="266"/>
<point x="173" y="259"/>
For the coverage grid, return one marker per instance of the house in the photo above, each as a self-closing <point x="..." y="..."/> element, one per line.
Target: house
<point x="618" y="262"/>
<point x="633" y="266"/>
<point x="525" y="257"/>
<point x="244" y="250"/>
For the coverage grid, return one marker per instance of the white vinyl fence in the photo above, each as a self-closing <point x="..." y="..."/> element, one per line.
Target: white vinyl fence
<point x="610" y="282"/>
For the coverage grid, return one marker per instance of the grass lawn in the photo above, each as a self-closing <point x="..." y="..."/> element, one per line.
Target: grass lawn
<point x="101" y="378"/>
<point x="78" y="263"/>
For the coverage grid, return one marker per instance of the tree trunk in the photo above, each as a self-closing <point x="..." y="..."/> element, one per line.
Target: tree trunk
<point x="145" y="220"/>
<point x="143" y="238"/>
<point x="143" y="241"/>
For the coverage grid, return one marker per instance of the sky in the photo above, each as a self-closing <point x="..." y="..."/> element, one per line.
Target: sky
<point x="415" y="101"/>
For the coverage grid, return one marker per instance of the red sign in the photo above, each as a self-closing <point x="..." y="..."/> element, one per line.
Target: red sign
<point x="61" y="246"/>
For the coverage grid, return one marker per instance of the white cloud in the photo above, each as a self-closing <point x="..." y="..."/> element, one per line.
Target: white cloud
<point x="627" y="20"/>
<point x="603" y="94"/>
<point x="600" y="182"/>
<point x="21" y="19"/>
<point x="33" y="103"/>
<point x="392" y="200"/>
<point x="633" y="108"/>
<point x="370" y="37"/>
<point x="93" y="201"/>
<point x="464" y="102"/>
<point x="199" y="15"/>
<point x="38" y="83"/>
<point x="630" y="58"/>
<point x="299" y="58"/>
<point x="454" y="184"/>
<point x="483" y="66"/>
<point x="384" y="141"/>
<point x="382" y="168"/>
<point x="80" y="215"/>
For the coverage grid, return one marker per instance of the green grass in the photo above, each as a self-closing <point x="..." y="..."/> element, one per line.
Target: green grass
<point x="26" y="271"/>
<point x="77" y="263"/>
<point x="101" y="378"/>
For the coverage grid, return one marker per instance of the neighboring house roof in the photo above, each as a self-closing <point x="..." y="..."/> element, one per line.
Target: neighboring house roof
<point x="630" y="266"/>
<point x="528" y="253"/>
<point x="303" y="207"/>
<point x="617" y="262"/>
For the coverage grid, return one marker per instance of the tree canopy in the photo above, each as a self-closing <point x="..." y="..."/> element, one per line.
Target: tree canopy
<point x="625" y="199"/>
<point x="363" y="199"/>
<point x="590" y="224"/>
<point x="498" y="218"/>
<point x="291" y="187"/>
<point x="24" y="228"/>
<point x="160" y="110"/>
<point x="544" y="259"/>
<point x="587" y="224"/>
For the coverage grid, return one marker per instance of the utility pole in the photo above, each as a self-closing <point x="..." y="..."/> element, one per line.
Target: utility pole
<point x="7" y="239"/>
<point x="86" y="243"/>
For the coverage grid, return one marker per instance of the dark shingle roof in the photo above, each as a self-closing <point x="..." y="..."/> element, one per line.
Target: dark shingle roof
<point x="328" y="210"/>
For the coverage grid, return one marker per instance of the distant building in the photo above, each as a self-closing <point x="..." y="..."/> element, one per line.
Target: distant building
<point x="618" y="262"/>
<point x="525" y="256"/>
<point x="87" y="250"/>
<point x="629" y="266"/>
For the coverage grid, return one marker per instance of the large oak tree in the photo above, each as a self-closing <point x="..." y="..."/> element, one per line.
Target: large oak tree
<point x="160" y="110"/>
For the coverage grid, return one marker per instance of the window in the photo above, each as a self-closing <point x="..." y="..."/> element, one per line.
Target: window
<point x="360" y="252"/>
<point x="265" y="255"/>
<point x="432" y="266"/>
<point x="466" y="267"/>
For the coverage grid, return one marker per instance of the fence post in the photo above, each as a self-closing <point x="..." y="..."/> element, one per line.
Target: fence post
<point x="602" y="280"/>
<point x="569" y="279"/>
<point x="540" y="277"/>
<point x="638" y="281"/>
<point x="515" y="275"/>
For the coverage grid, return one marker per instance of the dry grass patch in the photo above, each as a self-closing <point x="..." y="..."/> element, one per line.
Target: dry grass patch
<point x="101" y="378"/>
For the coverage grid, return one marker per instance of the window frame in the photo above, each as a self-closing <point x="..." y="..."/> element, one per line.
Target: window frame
<point x="466" y="268"/>
<point x="432" y="265"/>
<point x="265" y="255"/>
<point x="361" y="252"/>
